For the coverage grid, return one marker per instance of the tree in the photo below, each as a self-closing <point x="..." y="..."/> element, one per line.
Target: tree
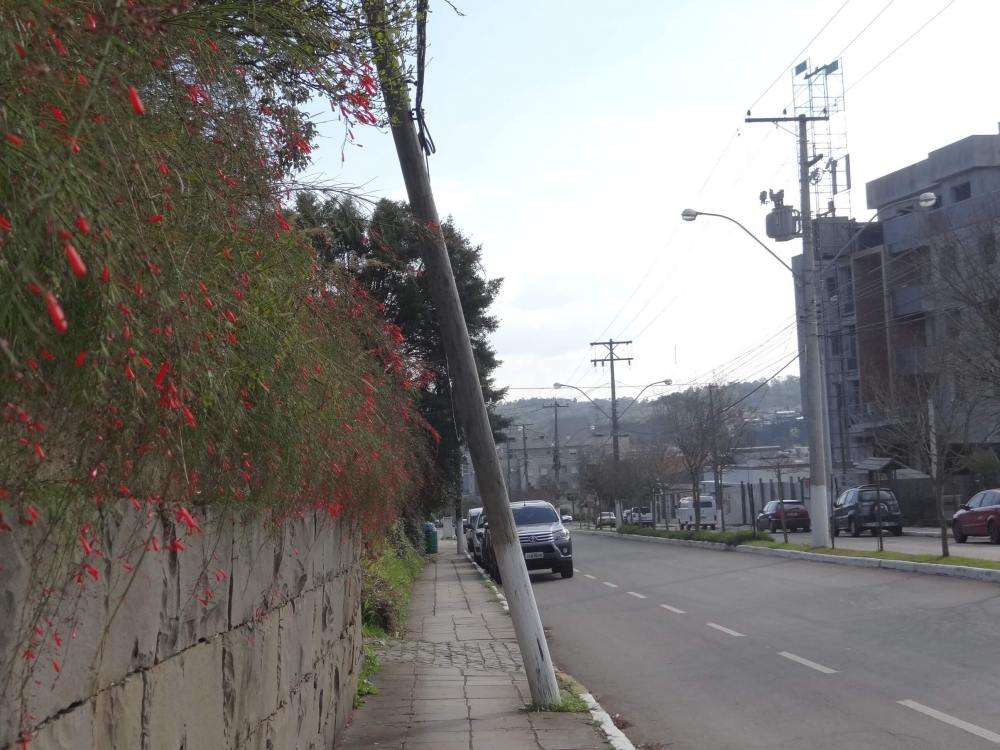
<point x="933" y="419"/>
<point x="382" y="250"/>
<point x="690" y="421"/>
<point x="729" y="426"/>
<point x="777" y="463"/>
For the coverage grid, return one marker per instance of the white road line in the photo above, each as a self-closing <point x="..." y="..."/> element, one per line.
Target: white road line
<point x="673" y="609"/>
<point x="577" y="570"/>
<point x="637" y="596"/>
<point x="724" y="630"/>
<point x="592" y="578"/>
<point x="971" y="728"/>
<point x="806" y="662"/>
<point x="612" y="585"/>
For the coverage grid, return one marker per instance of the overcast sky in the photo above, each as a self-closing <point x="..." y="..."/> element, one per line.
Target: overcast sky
<point x="571" y="135"/>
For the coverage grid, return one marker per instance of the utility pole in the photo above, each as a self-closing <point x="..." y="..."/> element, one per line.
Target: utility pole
<point x="716" y="473"/>
<point x="524" y="442"/>
<point x="818" y="474"/>
<point x="509" y="441"/>
<point x="556" y="463"/>
<point x="468" y="393"/>
<point x="612" y="358"/>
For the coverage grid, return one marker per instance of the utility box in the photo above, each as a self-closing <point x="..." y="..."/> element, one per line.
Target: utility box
<point x="784" y="223"/>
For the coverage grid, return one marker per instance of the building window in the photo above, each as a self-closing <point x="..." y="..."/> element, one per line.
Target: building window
<point x="961" y="192"/>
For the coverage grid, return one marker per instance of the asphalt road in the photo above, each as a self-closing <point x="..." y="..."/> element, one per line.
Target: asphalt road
<point x="706" y="650"/>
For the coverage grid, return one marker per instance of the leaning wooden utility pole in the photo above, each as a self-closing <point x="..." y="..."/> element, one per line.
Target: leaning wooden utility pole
<point x="468" y="392"/>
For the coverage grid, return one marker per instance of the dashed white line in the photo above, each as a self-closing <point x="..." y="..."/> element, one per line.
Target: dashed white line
<point x="673" y="609"/>
<point x="971" y="728"/>
<point x="577" y="570"/>
<point x="637" y="596"/>
<point x="612" y="585"/>
<point x="806" y="662"/>
<point x="724" y="630"/>
<point x="592" y="578"/>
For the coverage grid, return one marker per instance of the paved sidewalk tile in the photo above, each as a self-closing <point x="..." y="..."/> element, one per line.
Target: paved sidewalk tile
<point x="456" y="680"/>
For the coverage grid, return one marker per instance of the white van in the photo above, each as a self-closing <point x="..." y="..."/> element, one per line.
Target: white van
<point x="685" y="512"/>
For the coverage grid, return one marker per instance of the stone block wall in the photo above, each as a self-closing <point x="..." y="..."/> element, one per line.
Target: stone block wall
<point x="246" y="638"/>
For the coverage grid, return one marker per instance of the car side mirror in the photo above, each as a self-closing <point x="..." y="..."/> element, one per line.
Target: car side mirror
<point x="486" y="525"/>
<point x="566" y="519"/>
<point x="964" y="507"/>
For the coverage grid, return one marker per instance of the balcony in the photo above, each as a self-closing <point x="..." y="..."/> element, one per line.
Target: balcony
<point x="911" y="360"/>
<point x="910" y="300"/>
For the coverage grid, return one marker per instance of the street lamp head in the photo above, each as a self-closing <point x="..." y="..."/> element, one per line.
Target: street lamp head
<point x="668" y="381"/>
<point x="689" y="214"/>
<point x="926" y="200"/>
<point x="557" y="385"/>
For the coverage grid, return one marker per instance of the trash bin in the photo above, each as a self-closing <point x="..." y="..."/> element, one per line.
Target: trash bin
<point x="431" y="535"/>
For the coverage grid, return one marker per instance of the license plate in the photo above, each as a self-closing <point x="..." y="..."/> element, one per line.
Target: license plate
<point x="534" y="555"/>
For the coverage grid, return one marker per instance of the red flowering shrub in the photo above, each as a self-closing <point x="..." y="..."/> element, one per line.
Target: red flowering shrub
<point x="166" y="342"/>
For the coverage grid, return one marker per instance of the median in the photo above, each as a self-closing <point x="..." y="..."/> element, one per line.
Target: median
<point x="728" y="538"/>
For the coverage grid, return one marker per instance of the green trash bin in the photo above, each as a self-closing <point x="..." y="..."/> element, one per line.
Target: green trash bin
<point x="432" y="539"/>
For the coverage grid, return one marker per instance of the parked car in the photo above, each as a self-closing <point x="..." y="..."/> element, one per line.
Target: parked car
<point x="477" y="538"/>
<point x="796" y="517"/>
<point x="978" y="517"/>
<point x="639" y="516"/>
<point x="545" y="541"/>
<point x="855" y="510"/>
<point x="607" y="518"/>
<point x="685" y="512"/>
<point x="439" y="523"/>
<point x="469" y="526"/>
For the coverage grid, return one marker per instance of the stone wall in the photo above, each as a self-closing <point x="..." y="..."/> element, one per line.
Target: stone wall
<point x="246" y="638"/>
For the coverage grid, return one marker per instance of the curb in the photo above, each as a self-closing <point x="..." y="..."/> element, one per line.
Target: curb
<point x="905" y="566"/>
<point x="925" y="534"/>
<point x="615" y="737"/>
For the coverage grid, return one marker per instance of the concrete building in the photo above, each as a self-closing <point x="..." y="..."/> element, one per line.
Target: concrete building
<point x="883" y="306"/>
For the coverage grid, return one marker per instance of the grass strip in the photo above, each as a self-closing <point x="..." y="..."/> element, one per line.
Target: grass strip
<point x="968" y="562"/>
<point x="730" y="538"/>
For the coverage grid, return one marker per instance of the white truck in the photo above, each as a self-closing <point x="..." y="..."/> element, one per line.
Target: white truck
<point x="638" y="517"/>
<point x="685" y="512"/>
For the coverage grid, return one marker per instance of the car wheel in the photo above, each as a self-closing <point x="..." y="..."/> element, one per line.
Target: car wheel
<point x="875" y="531"/>
<point x="957" y="533"/>
<point x="854" y="527"/>
<point x="712" y="527"/>
<point x="897" y="531"/>
<point x="566" y="571"/>
<point x="994" y="532"/>
<point x="774" y="527"/>
<point x="836" y="530"/>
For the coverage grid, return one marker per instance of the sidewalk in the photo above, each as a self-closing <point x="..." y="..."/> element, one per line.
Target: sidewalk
<point x="456" y="681"/>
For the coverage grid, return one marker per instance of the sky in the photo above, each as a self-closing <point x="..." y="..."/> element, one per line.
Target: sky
<point x="570" y="136"/>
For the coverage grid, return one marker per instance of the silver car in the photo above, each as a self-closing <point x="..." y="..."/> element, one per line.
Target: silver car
<point x="469" y="526"/>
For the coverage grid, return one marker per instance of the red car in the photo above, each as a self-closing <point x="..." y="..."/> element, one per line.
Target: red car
<point x="978" y="517"/>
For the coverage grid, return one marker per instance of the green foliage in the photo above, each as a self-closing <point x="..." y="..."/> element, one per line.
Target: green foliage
<point x="570" y="701"/>
<point x="382" y="250"/>
<point x="390" y="569"/>
<point x="731" y="538"/>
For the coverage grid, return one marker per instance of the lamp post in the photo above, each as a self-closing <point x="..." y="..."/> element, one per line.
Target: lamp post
<point x="814" y="378"/>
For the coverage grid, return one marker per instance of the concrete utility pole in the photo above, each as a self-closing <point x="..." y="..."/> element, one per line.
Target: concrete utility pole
<point x="509" y="441"/>
<point x="612" y="358"/>
<point x="818" y="474"/>
<point x="469" y="402"/>
<point x="716" y="473"/>
<point x="556" y="463"/>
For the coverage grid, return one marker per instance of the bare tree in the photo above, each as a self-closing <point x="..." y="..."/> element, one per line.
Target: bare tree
<point x="777" y="463"/>
<point x="689" y="419"/>
<point x="729" y="428"/>
<point x="935" y="419"/>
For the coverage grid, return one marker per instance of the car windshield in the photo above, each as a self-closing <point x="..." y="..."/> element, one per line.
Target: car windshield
<point x="534" y="514"/>
<point x="482" y="521"/>
<point x="706" y="503"/>
<point x="868" y="496"/>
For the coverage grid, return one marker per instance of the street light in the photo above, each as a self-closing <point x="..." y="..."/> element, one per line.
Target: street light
<point x="689" y="214"/>
<point x="668" y="381"/>
<point x="564" y="385"/>
<point x="926" y="200"/>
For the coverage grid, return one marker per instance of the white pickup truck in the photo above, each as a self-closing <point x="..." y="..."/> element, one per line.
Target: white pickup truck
<point x="638" y="517"/>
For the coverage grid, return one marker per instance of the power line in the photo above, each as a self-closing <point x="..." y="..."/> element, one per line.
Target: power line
<point x="902" y="44"/>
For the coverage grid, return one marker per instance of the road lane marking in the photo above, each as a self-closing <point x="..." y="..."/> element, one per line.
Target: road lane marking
<point x="673" y="609"/>
<point x="577" y="570"/>
<point x="637" y="596"/>
<point x="806" y="662"/>
<point x="592" y="578"/>
<point x="971" y="728"/>
<point x="612" y="585"/>
<point x="724" y="630"/>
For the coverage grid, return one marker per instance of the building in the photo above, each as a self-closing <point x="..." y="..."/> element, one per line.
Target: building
<point x="883" y="304"/>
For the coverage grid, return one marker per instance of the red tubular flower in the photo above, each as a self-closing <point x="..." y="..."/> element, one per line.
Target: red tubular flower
<point x="56" y="313"/>
<point x="14" y="139"/>
<point x="189" y="417"/>
<point x="81" y="357"/>
<point x="82" y="224"/>
<point x="158" y="380"/>
<point x="4" y="223"/>
<point x="104" y="275"/>
<point x="155" y="219"/>
<point x="129" y="374"/>
<point x="93" y="572"/>
<point x="57" y="113"/>
<point x="75" y="261"/>
<point x="91" y="22"/>
<point x="133" y="97"/>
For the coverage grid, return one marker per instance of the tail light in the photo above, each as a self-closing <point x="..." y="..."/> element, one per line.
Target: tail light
<point x="805" y="513"/>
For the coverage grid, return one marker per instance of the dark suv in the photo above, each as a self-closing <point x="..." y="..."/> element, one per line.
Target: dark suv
<point x="855" y="511"/>
<point x="545" y="542"/>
